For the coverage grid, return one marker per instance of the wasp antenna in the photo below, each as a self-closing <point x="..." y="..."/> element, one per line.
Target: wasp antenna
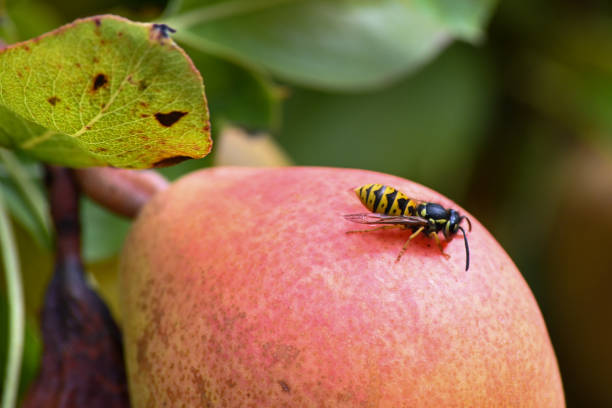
<point x="469" y="222"/>
<point x="467" y="250"/>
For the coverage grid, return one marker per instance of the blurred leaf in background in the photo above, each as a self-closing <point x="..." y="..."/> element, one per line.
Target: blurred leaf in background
<point x="427" y="127"/>
<point x="27" y="19"/>
<point x="21" y="184"/>
<point x="31" y="351"/>
<point x="244" y="97"/>
<point x="345" y="44"/>
<point x="103" y="232"/>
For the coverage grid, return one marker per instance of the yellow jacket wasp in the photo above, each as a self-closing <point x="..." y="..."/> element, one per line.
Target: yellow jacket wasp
<point x="392" y="209"/>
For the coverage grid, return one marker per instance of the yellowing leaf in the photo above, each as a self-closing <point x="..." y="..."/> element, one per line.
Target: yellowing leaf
<point x="103" y="91"/>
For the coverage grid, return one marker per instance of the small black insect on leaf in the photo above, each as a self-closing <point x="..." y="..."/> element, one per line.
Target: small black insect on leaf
<point x="164" y="30"/>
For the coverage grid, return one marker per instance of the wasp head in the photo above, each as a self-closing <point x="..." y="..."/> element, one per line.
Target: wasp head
<point x="452" y="223"/>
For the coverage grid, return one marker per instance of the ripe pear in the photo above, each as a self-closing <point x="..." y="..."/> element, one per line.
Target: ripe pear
<point x="241" y="288"/>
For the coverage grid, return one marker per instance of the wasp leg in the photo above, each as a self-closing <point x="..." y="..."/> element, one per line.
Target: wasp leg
<point x="434" y="235"/>
<point x="373" y="229"/>
<point x="417" y="232"/>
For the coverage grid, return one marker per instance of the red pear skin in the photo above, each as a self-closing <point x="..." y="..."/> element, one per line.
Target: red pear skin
<point x="241" y="288"/>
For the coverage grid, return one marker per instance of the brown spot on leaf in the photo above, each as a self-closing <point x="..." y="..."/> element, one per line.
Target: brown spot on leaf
<point x="284" y="386"/>
<point x="144" y="115"/>
<point x="25" y="47"/>
<point x="170" y="161"/>
<point x="97" y="22"/>
<point x="170" y="118"/>
<point x="78" y="65"/>
<point x="99" y="81"/>
<point x="53" y="100"/>
<point x="142" y="85"/>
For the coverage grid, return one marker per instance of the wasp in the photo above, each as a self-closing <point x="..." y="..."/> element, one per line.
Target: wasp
<point x="390" y="208"/>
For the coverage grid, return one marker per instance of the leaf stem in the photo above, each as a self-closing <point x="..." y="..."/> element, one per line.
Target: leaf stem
<point x="16" y="315"/>
<point x="221" y="10"/>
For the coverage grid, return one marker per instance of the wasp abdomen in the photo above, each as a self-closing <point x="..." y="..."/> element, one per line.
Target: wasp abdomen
<point x="382" y="199"/>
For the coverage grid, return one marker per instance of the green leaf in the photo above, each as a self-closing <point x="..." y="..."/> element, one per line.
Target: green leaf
<point x="465" y="18"/>
<point x="24" y="196"/>
<point x="103" y="91"/>
<point x="22" y="214"/>
<point x="237" y="95"/>
<point x="340" y="44"/>
<point x="103" y="232"/>
<point x="406" y="129"/>
<point x="31" y="18"/>
<point x="12" y="274"/>
<point x="32" y="347"/>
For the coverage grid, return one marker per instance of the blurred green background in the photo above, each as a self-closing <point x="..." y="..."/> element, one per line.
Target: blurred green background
<point x="505" y="107"/>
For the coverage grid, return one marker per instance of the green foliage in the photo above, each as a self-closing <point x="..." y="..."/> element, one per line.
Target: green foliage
<point x="20" y="183"/>
<point x="114" y="102"/>
<point x="103" y="232"/>
<point x="32" y="348"/>
<point x="348" y="44"/>
<point x="240" y="96"/>
<point x="406" y="129"/>
<point x="16" y="312"/>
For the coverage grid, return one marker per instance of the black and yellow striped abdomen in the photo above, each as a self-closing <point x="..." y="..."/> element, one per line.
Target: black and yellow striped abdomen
<point x="385" y="200"/>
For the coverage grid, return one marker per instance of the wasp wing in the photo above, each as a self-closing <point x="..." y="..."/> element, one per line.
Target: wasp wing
<point x="383" y="219"/>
